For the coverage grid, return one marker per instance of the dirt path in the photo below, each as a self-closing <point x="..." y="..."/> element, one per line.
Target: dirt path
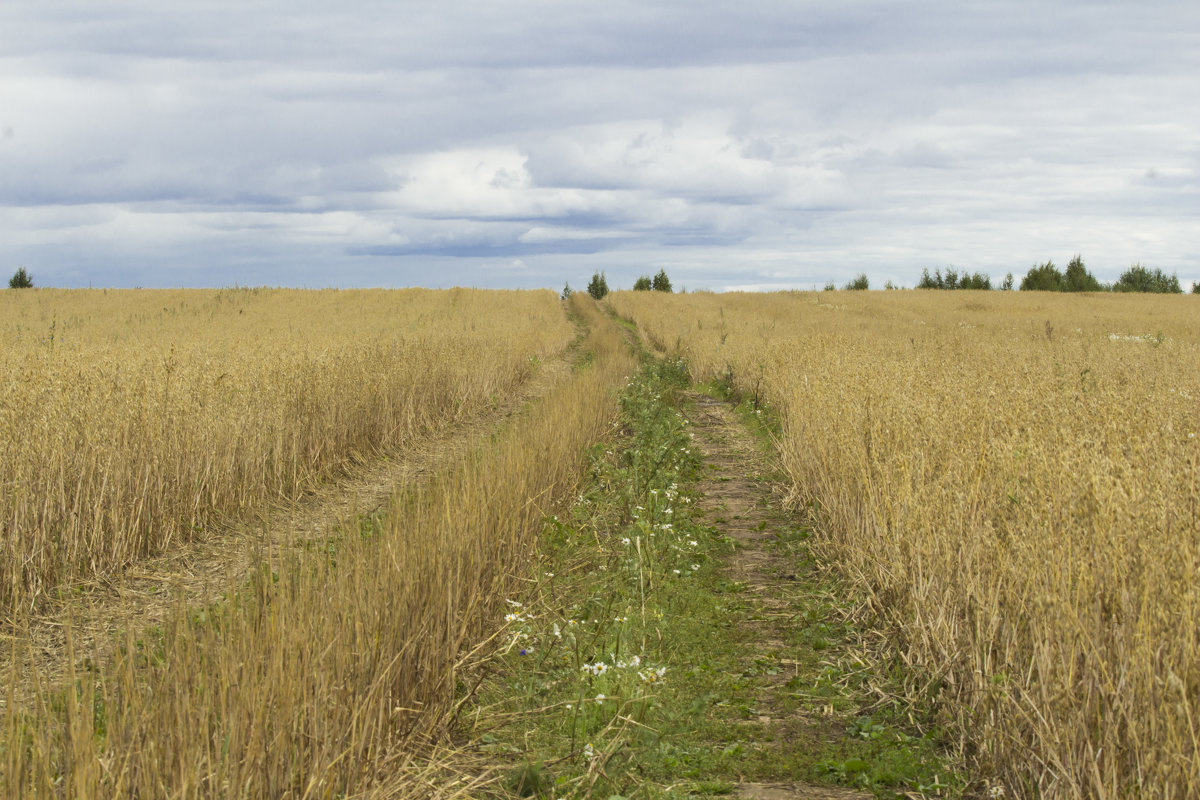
<point x="198" y="572"/>
<point x="737" y="498"/>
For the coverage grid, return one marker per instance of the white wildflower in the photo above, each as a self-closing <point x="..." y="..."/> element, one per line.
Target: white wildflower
<point x="652" y="675"/>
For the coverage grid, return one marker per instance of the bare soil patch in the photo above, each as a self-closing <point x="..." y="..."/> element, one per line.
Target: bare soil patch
<point x="738" y="498"/>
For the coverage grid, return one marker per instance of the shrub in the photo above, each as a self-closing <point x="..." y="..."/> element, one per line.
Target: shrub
<point x="1142" y="279"/>
<point x="859" y="284"/>
<point x="20" y="280"/>
<point x="642" y="284"/>
<point x="1042" y="278"/>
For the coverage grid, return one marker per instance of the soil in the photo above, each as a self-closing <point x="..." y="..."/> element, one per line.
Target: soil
<point x="739" y="499"/>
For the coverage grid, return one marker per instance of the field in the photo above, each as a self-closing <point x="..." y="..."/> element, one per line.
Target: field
<point x="272" y="543"/>
<point x="1011" y="481"/>
<point x="367" y="625"/>
<point x="133" y="420"/>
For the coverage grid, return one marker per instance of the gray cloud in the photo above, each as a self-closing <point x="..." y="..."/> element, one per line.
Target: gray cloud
<point x="764" y="144"/>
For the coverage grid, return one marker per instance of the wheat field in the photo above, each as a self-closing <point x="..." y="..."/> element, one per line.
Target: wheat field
<point x="131" y="420"/>
<point x="334" y="671"/>
<point x="1011" y="480"/>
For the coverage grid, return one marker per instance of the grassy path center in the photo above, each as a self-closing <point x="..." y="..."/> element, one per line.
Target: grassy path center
<point x="737" y="500"/>
<point x="679" y="640"/>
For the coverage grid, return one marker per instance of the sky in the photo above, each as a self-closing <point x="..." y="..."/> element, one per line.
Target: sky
<point x="754" y="145"/>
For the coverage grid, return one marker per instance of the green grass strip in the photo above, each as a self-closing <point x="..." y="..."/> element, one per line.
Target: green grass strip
<point x="635" y="667"/>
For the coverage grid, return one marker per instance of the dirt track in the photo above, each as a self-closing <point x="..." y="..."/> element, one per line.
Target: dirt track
<point x="201" y="570"/>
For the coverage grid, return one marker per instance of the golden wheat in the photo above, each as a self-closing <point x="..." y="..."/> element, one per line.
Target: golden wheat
<point x="329" y="674"/>
<point x="131" y="419"/>
<point x="1013" y="479"/>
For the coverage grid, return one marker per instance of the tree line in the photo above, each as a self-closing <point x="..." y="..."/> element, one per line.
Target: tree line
<point x="598" y="286"/>
<point x="1046" y="278"/>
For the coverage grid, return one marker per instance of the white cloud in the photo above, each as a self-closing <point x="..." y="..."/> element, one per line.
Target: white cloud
<point x="762" y="144"/>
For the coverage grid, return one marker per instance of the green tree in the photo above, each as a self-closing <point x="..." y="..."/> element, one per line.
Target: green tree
<point x="1042" y="278"/>
<point x="20" y="280"/>
<point x="931" y="281"/>
<point x="1008" y="283"/>
<point x="859" y="283"/>
<point x="954" y="280"/>
<point x="661" y="282"/>
<point x="1195" y="287"/>
<point x="1078" y="279"/>
<point x="977" y="280"/>
<point x="598" y="287"/>
<point x="1142" y="279"/>
<point x="642" y="284"/>
<point x="566" y="292"/>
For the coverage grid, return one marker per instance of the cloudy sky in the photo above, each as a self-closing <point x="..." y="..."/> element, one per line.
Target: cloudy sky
<point x="524" y="143"/>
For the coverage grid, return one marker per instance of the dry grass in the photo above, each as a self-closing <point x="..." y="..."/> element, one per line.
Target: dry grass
<point x="1013" y="480"/>
<point x="331" y="673"/>
<point x="131" y="420"/>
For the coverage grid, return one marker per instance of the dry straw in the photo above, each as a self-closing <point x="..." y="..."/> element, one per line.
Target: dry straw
<point x="131" y="420"/>
<point x="1013" y="481"/>
<point x="333" y="672"/>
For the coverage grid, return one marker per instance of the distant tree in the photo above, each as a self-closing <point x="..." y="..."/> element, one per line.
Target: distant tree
<point x="661" y="282"/>
<point x="598" y="287"/>
<point x="566" y="292"/>
<point x="1008" y="283"/>
<point x="1042" y="278"/>
<point x="890" y="286"/>
<point x="860" y="283"/>
<point x="1195" y="287"/>
<point x="831" y="286"/>
<point x="976" y="280"/>
<point x="20" y="280"/>
<point x="929" y="281"/>
<point x="953" y="280"/>
<point x="642" y="284"/>
<point x="1142" y="279"/>
<point x="1078" y="279"/>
